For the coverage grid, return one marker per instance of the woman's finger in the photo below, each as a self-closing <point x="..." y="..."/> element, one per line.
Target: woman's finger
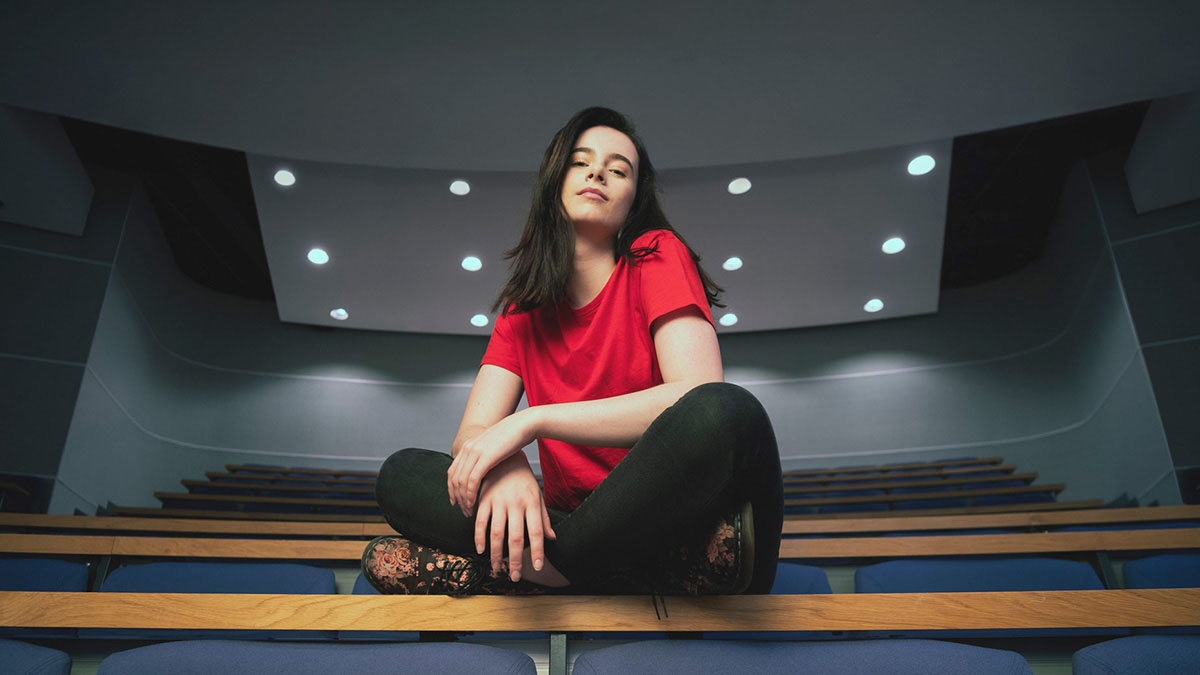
<point x="550" y="533"/>
<point x="533" y="521"/>
<point x="516" y="541"/>
<point x="497" y="539"/>
<point x="481" y="523"/>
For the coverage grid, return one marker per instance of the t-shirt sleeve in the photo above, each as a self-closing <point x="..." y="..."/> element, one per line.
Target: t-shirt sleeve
<point x="502" y="348"/>
<point x="669" y="278"/>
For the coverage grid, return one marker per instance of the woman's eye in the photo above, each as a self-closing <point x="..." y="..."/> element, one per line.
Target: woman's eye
<point x="619" y="172"/>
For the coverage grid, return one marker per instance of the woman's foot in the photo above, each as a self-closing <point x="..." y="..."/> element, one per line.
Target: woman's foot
<point x="721" y="562"/>
<point x="395" y="565"/>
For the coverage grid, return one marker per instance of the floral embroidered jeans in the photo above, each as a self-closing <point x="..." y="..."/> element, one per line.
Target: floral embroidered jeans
<point x="700" y="460"/>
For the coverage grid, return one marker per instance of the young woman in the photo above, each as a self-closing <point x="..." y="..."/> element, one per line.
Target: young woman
<point x="658" y="477"/>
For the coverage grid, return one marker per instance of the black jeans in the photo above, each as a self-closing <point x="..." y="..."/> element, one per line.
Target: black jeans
<point x="701" y="459"/>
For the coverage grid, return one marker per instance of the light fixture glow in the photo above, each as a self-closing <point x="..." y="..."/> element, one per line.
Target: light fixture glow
<point x="285" y="178"/>
<point x="739" y="186"/>
<point x="893" y="245"/>
<point x="734" y="263"/>
<point x="318" y="256"/>
<point x="472" y="264"/>
<point x="921" y="165"/>
<point x="728" y="319"/>
<point x="340" y="314"/>
<point x="479" y="320"/>
<point x="460" y="187"/>
<point x="873" y="305"/>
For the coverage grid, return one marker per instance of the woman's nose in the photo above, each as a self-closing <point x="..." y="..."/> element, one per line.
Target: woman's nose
<point x="595" y="174"/>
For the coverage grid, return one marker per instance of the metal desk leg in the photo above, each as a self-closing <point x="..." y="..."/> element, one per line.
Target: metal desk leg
<point x="558" y="654"/>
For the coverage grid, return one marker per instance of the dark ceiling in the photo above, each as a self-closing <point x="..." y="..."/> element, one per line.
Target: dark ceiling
<point x="1004" y="190"/>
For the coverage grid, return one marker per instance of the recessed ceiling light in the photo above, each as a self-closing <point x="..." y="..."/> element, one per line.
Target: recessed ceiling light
<point x="921" y="165"/>
<point x="739" y="186"/>
<point x="472" y="264"/>
<point x="893" y="245"/>
<point x="318" y="256"/>
<point x="285" y="178"/>
<point x="460" y="187"/>
<point x="479" y="320"/>
<point x="734" y="263"/>
<point x="340" y="314"/>
<point x="873" y="305"/>
<point x="728" y="319"/>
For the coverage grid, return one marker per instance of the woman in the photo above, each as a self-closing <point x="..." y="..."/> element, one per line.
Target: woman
<point x="658" y="477"/>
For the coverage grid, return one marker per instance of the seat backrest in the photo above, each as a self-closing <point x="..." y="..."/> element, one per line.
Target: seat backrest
<point x="42" y="574"/>
<point x="216" y="577"/>
<point x="1002" y="574"/>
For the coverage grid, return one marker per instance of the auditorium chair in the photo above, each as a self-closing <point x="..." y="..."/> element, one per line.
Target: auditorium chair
<point x="1140" y="655"/>
<point x="1008" y="573"/>
<point x="216" y="577"/>
<point x="219" y="657"/>
<point x="1169" y="570"/>
<point x="20" y="658"/>
<point x="870" y="657"/>
<point x="41" y="574"/>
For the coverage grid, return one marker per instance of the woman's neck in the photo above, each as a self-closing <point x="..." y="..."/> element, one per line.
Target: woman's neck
<point x="592" y="267"/>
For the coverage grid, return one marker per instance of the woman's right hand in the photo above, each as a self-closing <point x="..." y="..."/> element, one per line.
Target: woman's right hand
<point x="510" y="503"/>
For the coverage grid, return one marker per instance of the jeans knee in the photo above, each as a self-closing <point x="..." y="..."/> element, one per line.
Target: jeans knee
<point x="725" y="403"/>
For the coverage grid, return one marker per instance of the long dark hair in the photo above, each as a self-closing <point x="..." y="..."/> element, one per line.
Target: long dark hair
<point x="541" y="261"/>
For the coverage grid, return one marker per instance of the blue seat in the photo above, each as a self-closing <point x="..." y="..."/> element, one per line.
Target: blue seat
<point x="282" y="658"/>
<point x="1170" y="570"/>
<point x="1140" y="655"/>
<point x="41" y="574"/>
<point x="19" y="658"/>
<point x="216" y="577"/>
<point x="893" y="657"/>
<point x="790" y="579"/>
<point x="990" y="574"/>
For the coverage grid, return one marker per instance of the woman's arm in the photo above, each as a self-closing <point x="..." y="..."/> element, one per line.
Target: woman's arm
<point x="688" y="356"/>
<point x="509" y="496"/>
<point x="494" y="396"/>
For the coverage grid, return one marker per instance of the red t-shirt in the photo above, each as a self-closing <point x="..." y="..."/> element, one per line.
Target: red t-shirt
<point x="600" y="350"/>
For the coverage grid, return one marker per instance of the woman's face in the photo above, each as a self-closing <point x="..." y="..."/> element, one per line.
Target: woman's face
<point x="601" y="179"/>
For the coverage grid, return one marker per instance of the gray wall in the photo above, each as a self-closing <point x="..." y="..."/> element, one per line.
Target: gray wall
<point x="1156" y="253"/>
<point x="53" y="287"/>
<point x="1042" y="367"/>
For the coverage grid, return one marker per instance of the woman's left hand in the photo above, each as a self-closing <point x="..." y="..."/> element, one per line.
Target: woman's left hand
<point x="482" y="453"/>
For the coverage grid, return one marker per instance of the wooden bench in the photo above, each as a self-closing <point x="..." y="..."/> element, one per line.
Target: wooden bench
<point x="963" y="510"/>
<point x="145" y="511"/>
<point x="1033" y="520"/>
<point x="916" y="496"/>
<point x="790" y="489"/>
<point x="367" y="491"/>
<point x="271" y="478"/>
<point x="560" y="614"/>
<point x="269" y="528"/>
<point x="893" y="468"/>
<point x="246" y="470"/>
<point x="927" y="473"/>
<point x="313" y="502"/>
